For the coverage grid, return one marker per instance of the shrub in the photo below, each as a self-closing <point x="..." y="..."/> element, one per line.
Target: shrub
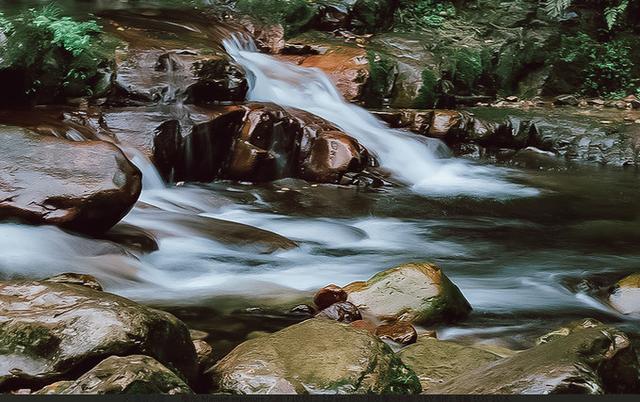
<point x="608" y="68"/>
<point x="57" y="53"/>
<point x="381" y="76"/>
<point x="421" y="14"/>
<point x="427" y="95"/>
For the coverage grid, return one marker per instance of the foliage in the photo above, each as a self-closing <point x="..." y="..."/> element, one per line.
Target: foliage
<point x="608" y="67"/>
<point x="56" y="51"/>
<point x="467" y="66"/>
<point x="422" y="14"/>
<point x="556" y="8"/>
<point x="381" y="76"/>
<point x="292" y="14"/>
<point x="612" y="10"/>
<point x="427" y="95"/>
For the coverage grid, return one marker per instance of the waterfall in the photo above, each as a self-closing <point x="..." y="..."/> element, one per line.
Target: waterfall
<point x="410" y="160"/>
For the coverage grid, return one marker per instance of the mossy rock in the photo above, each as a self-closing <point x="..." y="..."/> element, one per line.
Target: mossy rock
<point x="436" y="362"/>
<point x="314" y="357"/>
<point x="587" y="360"/>
<point x="137" y="374"/>
<point x="419" y="292"/>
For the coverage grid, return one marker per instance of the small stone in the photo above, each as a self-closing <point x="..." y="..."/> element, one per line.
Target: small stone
<point x="511" y="98"/>
<point x="342" y="312"/>
<point x="398" y="332"/>
<point x="566" y="100"/>
<point x="303" y="310"/>
<point x="328" y="295"/>
<point x="204" y="353"/>
<point x="198" y="335"/>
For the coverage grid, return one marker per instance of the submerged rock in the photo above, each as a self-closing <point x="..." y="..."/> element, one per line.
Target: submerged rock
<point x="314" y="357"/>
<point x="83" y="186"/>
<point x="416" y="292"/>
<point x="592" y="360"/>
<point x="436" y="362"/>
<point x="49" y="329"/>
<point x="136" y="374"/>
<point x="625" y="296"/>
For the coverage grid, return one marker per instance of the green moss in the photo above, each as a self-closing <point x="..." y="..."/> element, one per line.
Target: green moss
<point x="428" y="93"/>
<point x="293" y="15"/>
<point x="381" y="77"/>
<point x="422" y="14"/>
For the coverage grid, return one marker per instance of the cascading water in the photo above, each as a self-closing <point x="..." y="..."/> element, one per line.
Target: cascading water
<point x="410" y="160"/>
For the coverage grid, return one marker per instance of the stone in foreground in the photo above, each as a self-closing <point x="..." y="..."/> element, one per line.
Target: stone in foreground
<point x="625" y="297"/>
<point x="588" y="360"/>
<point x="49" y="329"/>
<point x="83" y="186"/>
<point x="436" y="362"/>
<point x="137" y="374"/>
<point x="314" y="357"/>
<point x="419" y="293"/>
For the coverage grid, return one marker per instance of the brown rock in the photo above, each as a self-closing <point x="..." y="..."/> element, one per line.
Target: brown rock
<point x="328" y="295"/>
<point x="333" y="154"/>
<point x="341" y="312"/>
<point x="398" y="332"/>
<point x="366" y="325"/>
<point x="77" y="279"/>
<point x="84" y="186"/>
<point x="445" y="122"/>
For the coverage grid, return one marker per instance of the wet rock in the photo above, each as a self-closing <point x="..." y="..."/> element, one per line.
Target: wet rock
<point x="218" y="79"/>
<point x="328" y="295"/>
<point x="77" y="279"/>
<point x="566" y="100"/>
<point x="204" y="353"/>
<point x="448" y="125"/>
<point x="341" y="312"/>
<point x="132" y="237"/>
<point x="268" y="38"/>
<point x="346" y="65"/>
<point x="436" y="362"/>
<point x="137" y="374"/>
<point x="332" y="155"/>
<point x="418" y="292"/>
<point x="303" y="310"/>
<point x="197" y="335"/>
<point x="592" y="360"/>
<point x="314" y="357"/>
<point x="625" y="296"/>
<point x="364" y="325"/>
<point x="49" y="330"/>
<point x="398" y="332"/>
<point x="264" y="142"/>
<point x="83" y="186"/>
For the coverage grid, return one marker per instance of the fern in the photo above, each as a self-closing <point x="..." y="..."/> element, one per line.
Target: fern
<point x="556" y="8"/>
<point x="612" y="14"/>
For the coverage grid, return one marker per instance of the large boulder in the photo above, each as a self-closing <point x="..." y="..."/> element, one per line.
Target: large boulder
<point x="263" y="142"/>
<point x="625" y="296"/>
<point x="314" y="357"/>
<point x="136" y="374"/>
<point x="83" y="186"/>
<point x="49" y="330"/>
<point x="417" y="292"/>
<point x="588" y="359"/>
<point x="436" y="362"/>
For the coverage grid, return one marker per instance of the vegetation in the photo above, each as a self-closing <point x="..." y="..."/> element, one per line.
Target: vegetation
<point x="381" y="76"/>
<point x="292" y="14"/>
<point x="421" y="14"/>
<point x="58" y="54"/>
<point x="428" y="93"/>
<point x="613" y="11"/>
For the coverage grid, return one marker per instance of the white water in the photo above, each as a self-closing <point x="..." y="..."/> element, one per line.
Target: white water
<point x="409" y="159"/>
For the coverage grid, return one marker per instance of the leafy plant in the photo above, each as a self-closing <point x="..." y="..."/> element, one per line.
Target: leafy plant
<point x="428" y="93"/>
<point x="556" y="8"/>
<point x="381" y="77"/>
<point x="421" y="14"/>
<point x="56" y="52"/>
<point x="612" y="10"/>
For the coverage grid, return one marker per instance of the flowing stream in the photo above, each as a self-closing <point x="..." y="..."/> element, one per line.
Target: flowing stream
<point x="528" y="248"/>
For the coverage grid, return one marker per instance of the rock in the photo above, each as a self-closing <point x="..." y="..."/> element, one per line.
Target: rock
<point x="448" y="125"/>
<point x="314" y="357"/>
<point x="136" y="374"/>
<point x="217" y="79"/>
<point x="625" y="296"/>
<point x="303" y="310"/>
<point x="342" y="312"/>
<point x="436" y="362"/>
<point x="512" y="99"/>
<point x="204" y="353"/>
<point x="592" y="360"/>
<point x="417" y="292"/>
<point x="264" y="142"/>
<point x="197" y="335"/>
<point x="566" y="100"/>
<point x="398" y="332"/>
<point x="346" y="65"/>
<point x="364" y="325"/>
<point x="83" y="186"/>
<point x="77" y="279"/>
<point x="268" y="38"/>
<point x="132" y="237"/>
<point x="332" y="155"/>
<point x="49" y="329"/>
<point x="328" y="295"/>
